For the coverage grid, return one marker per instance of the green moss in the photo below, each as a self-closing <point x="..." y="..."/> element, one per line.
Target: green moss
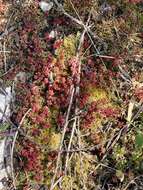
<point x="54" y="143"/>
<point x="119" y="156"/>
<point x="68" y="48"/>
<point x="97" y="94"/>
<point x="21" y="179"/>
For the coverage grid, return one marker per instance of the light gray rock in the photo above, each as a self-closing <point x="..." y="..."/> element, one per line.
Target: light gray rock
<point x="5" y="99"/>
<point x="46" y="6"/>
<point x="5" y="112"/>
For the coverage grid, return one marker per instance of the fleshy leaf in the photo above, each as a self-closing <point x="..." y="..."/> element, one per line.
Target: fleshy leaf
<point x="139" y="139"/>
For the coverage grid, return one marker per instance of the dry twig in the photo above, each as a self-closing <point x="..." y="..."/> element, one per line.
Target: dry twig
<point x="13" y="146"/>
<point x="63" y="136"/>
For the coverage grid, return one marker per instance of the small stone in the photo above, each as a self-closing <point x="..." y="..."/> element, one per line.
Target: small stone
<point x="53" y="34"/>
<point x="46" y="6"/>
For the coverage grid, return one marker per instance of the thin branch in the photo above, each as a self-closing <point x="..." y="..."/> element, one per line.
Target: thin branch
<point x="5" y="58"/>
<point x="5" y="33"/>
<point x="132" y="181"/>
<point x="13" y="146"/>
<point x="77" y="93"/>
<point x="68" y="15"/>
<point x="63" y="136"/>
